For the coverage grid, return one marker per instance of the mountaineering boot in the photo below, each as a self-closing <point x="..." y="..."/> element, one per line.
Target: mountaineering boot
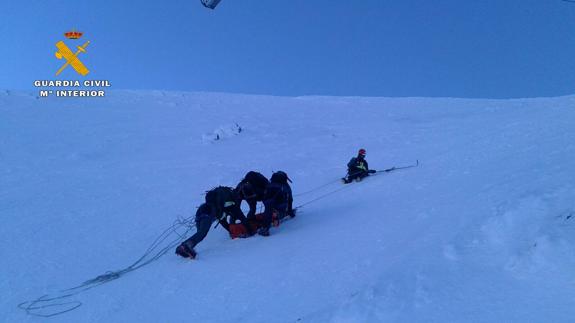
<point x="184" y="251"/>
<point x="346" y="180"/>
<point x="264" y="232"/>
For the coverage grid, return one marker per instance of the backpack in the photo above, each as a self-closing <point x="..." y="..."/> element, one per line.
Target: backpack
<point x="220" y="196"/>
<point x="257" y="180"/>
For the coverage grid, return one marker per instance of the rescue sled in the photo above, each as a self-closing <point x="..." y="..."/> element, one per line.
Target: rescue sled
<point x="237" y="230"/>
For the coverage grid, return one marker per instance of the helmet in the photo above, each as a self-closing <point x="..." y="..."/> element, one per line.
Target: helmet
<point x="361" y="152"/>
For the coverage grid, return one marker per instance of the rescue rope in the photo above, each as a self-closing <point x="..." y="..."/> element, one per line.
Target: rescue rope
<point x="317" y="188"/>
<point x="323" y="196"/>
<point x="377" y="172"/>
<point x="59" y="303"/>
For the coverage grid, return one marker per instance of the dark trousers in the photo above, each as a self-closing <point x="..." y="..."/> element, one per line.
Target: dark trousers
<point x="270" y="207"/>
<point x="203" y="225"/>
<point x="355" y="174"/>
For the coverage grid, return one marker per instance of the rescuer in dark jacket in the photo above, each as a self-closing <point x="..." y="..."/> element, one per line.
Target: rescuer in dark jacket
<point x="278" y="197"/>
<point x="221" y="202"/>
<point x="252" y="189"/>
<point x="357" y="168"/>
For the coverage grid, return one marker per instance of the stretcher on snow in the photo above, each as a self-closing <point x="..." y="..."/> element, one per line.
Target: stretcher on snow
<point x="237" y="230"/>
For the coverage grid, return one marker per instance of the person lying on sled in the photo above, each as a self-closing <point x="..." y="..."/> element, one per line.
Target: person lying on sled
<point x="357" y="168"/>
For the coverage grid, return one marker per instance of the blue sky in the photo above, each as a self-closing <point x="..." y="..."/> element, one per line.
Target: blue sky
<point x="488" y="48"/>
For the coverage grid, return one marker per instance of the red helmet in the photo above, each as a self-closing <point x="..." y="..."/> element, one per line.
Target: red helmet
<point x="361" y="152"/>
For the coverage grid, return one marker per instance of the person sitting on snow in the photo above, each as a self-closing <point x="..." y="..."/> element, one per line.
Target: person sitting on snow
<point x="220" y="203"/>
<point x="357" y="168"/>
<point x="278" y="198"/>
<point x="252" y="189"/>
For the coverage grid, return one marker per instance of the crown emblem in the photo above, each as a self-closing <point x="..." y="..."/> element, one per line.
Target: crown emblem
<point x="73" y="34"/>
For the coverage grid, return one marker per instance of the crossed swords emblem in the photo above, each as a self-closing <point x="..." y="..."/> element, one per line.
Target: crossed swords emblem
<point x="71" y="58"/>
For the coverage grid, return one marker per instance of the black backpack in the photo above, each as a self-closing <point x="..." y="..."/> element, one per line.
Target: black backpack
<point x="218" y="196"/>
<point x="257" y="180"/>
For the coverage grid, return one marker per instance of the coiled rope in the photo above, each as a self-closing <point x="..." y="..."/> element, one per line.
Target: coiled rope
<point x="59" y="303"/>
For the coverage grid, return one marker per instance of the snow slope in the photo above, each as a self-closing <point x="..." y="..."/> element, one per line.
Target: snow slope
<point x="482" y="231"/>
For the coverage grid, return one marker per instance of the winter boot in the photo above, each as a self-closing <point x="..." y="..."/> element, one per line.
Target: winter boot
<point x="184" y="251"/>
<point x="264" y="232"/>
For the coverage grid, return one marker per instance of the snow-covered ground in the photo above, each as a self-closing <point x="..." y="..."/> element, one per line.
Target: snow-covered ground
<point x="482" y="231"/>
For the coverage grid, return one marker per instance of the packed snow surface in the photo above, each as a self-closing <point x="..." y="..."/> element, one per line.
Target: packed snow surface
<point x="483" y="230"/>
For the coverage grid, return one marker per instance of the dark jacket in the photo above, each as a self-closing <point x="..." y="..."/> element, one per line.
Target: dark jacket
<point x="252" y="189"/>
<point x="357" y="165"/>
<point x="222" y="199"/>
<point x="257" y="181"/>
<point x="224" y="202"/>
<point x="205" y="211"/>
<point x="278" y="192"/>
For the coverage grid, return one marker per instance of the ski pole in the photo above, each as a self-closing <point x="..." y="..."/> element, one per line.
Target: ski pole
<point x="402" y="167"/>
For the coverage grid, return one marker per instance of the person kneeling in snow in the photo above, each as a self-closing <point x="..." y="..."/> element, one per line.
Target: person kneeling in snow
<point x="252" y="189"/>
<point x="220" y="203"/>
<point x="357" y="168"/>
<point x="278" y="198"/>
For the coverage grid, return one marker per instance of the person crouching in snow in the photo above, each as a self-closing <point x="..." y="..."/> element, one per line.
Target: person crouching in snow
<point x="278" y="198"/>
<point x="252" y="189"/>
<point x="357" y="168"/>
<point x="220" y="203"/>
